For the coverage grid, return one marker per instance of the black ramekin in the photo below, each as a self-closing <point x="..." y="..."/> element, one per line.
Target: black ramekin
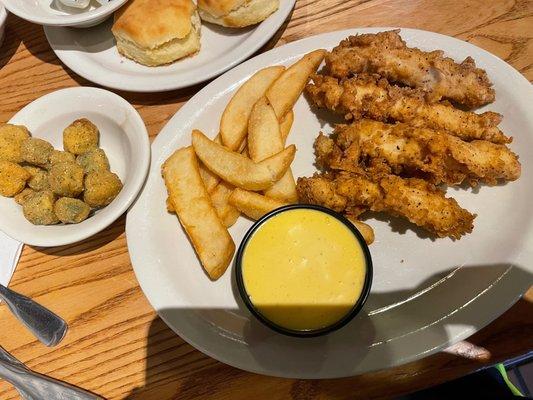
<point x="308" y="333"/>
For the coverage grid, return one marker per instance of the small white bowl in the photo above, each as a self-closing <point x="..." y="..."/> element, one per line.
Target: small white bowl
<point x="53" y="13"/>
<point x="123" y="137"/>
<point x="3" y="18"/>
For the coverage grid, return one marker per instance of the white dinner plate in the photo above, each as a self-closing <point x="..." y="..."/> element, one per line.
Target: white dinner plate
<point x="426" y="294"/>
<point x="92" y="54"/>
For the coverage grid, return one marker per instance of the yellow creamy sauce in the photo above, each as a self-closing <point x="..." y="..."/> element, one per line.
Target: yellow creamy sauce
<point x="303" y="269"/>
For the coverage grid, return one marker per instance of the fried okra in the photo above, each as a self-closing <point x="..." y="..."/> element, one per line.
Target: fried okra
<point x="39" y="208"/>
<point x="38" y="178"/>
<point x="12" y="178"/>
<point x="23" y="196"/>
<point x="80" y="137"/>
<point x="59" y="156"/>
<point x="66" y="179"/>
<point x="49" y="183"/>
<point x="94" y="160"/>
<point x="11" y="138"/>
<point x="36" y="151"/>
<point x="71" y="211"/>
<point x="101" y="188"/>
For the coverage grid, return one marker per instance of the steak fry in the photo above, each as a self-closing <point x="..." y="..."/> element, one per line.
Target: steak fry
<point x="386" y="54"/>
<point x="438" y="156"/>
<point x="369" y="96"/>
<point x="414" y="199"/>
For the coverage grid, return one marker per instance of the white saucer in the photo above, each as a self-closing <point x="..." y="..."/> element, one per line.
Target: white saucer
<point x="54" y="13"/>
<point x="123" y="137"/>
<point x="92" y="53"/>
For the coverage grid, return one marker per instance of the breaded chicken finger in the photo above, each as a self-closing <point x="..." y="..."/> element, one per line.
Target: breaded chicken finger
<point x="369" y="96"/>
<point x="443" y="157"/>
<point x="385" y="53"/>
<point x="414" y="199"/>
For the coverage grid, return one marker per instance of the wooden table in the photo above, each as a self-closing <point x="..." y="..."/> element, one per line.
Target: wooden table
<point x="116" y="345"/>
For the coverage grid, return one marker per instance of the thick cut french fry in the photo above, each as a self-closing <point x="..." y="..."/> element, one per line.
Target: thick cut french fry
<point x="170" y="206"/>
<point x="210" y="179"/>
<point x="364" y="229"/>
<point x="253" y="205"/>
<point x="285" y="126"/>
<point x="264" y="137"/>
<point x="209" y="237"/>
<point x="220" y="199"/>
<point x="284" y="92"/>
<point x="231" y="216"/>
<point x="264" y="140"/>
<point x="234" y="121"/>
<point x="284" y="189"/>
<point x="239" y="170"/>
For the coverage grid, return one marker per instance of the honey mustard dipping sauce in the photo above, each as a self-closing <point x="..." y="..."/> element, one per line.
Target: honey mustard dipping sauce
<point x="304" y="269"/>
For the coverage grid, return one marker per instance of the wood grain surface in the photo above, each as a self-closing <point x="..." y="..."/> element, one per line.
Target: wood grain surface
<point x="116" y="345"/>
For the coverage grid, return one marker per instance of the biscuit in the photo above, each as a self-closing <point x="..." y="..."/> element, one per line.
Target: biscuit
<point x="236" y="13"/>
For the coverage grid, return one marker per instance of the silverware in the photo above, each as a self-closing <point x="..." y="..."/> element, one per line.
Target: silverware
<point x="34" y="386"/>
<point x="43" y="323"/>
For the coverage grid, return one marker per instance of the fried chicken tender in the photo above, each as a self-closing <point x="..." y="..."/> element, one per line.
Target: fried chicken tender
<point x="370" y="96"/>
<point x="486" y="162"/>
<point x="414" y="199"/>
<point x="440" y="157"/>
<point x="386" y="54"/>
<point x="426" y="206"/>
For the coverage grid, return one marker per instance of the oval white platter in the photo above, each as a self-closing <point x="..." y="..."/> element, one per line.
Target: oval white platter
<point x="427" y="294"/>
<point x="92" y="54"/>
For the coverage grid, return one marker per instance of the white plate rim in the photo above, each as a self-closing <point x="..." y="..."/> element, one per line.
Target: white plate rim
<point x="137" y="181"/>
<point x="512" y="289"/>
<point x="3" y="14"/>
<point x="69" y="20"/>
<point x="260" y="36"/>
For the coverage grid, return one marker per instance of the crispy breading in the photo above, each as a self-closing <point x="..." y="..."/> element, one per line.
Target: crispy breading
<point x="385" y="53"/>
<point x="330" y="155"/>
<point x="414" y="199"/>
<point x="408" y="150"/>
<point x="321" y="190"/>
<point x="370" y="96"/>
<point x="425" y="205"/>
<point x="485" y="161"/>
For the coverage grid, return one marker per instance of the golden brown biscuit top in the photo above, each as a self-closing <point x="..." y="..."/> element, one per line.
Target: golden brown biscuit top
<point x="218" y="8"/>
<point x="151" y="23"/>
